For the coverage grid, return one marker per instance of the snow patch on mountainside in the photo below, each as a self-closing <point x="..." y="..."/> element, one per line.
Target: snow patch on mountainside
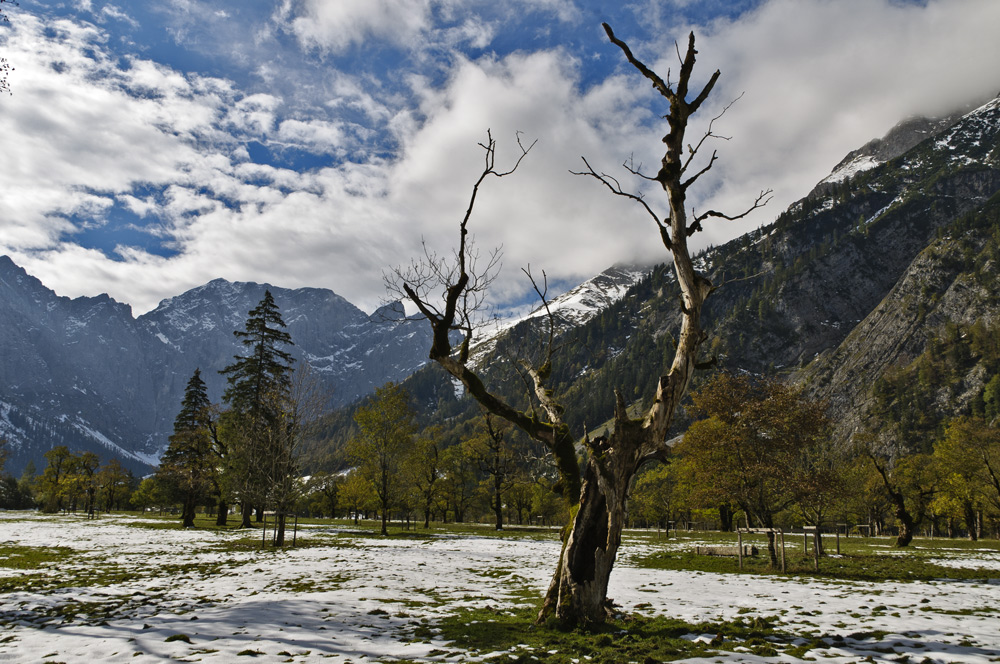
<point x="850" y="169"/>
<point x="82" y="426"/>
<point x="576" y="306"/>
<point x="9" y="431"/>
<point x="976" y="125"/>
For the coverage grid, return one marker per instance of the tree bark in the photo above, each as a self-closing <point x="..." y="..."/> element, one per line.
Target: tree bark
<point x="190" y="504"/>
<point x="578" y="592"/>
<point x="906" y="523"/>
<point x="223" y="513"/>
<point x="726" y="518"/>
<point x="498" y="502"/>
<point x="970" y="519"/>
<point x="279" y="533"/>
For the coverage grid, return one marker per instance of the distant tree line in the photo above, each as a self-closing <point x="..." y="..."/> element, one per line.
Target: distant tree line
<point x="759" y="455"/>
<point x="70" y="482"/>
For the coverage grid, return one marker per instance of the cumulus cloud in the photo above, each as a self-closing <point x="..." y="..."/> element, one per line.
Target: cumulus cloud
<point x="88" y="131"/>
<point x="823" y="78"/>
<point x="337" y="25"/>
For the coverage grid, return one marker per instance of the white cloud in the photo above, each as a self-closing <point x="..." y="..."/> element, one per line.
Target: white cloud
<point x="83" y="132"/>
<point x="338" y="25"/>
<point x="823" y="78"/>
<point x="111" y="11"/>
<point x="314" y="136"/>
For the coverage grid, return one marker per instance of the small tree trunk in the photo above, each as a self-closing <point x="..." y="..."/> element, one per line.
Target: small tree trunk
<point x="279" y="533"/>
<point x="970" y="520"/>
<point x="222" y="513"/>
<point x="246" y="514"/>
<point x="772" y="550"/>
<point x="906" y="524"/>
<point x="726" y="518"/>
<point x="190" y="503"/>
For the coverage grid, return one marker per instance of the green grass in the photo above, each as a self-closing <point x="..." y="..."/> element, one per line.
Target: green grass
<point x="33" y="558"/>
<point x="861" y="559"/>
<point x="849" y="567"/>
<point x="512" y="636"/>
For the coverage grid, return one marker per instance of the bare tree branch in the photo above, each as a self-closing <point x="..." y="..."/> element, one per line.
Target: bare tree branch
<point x="693" y="150"/>
<point x="762" y="200"/>
<point x="612" y="183"/>
<point x="661" y="86"/>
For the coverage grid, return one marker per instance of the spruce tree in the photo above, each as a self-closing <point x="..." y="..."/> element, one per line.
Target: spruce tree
<point x="188" y="466"/>
<point x="258" y="385"/>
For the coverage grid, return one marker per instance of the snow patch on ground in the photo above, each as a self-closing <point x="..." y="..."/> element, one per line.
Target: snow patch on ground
<point x="360" y="599"/>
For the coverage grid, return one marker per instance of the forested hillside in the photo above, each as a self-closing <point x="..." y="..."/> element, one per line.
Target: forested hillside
<point x="815" y="297"/>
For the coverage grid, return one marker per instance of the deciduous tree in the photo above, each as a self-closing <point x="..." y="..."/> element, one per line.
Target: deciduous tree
<point x="449" y="294"/>
<point x="383" y="443"/>
<point x="114" y="485"/>
<point x="968" y="457"/>
<point x="50" y="484"/>
<point x="749" y="442"/>
<point x="908" y="479"/>
<point x="426" y="470"/>
<point x="495" y="458"/>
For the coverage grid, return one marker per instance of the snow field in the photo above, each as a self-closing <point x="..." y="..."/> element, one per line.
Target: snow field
<point x="168" y="594"/>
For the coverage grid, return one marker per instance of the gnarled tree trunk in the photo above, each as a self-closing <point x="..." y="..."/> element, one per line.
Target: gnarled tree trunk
<point x="597" y="494"/>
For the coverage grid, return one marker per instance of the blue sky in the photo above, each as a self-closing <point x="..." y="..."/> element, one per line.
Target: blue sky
<point x="150" y="147"/>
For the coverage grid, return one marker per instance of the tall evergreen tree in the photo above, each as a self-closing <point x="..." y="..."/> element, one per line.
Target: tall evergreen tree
<point x="189" y="464"/>
<point x="258" y="383"/>
<point x="267" y="368"/>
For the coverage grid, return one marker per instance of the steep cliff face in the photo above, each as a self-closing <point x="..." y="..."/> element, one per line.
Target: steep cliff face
<point x="950" y="288"/>
<point x="71" y="372"/>
<point x="828" y="261"/>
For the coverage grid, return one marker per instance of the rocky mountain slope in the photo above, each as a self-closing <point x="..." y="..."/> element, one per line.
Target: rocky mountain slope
<point x="87" y="374"/>
<point x="881" y="279"/>
<point x="854" y="282"/>
<point x="845" y="290"/>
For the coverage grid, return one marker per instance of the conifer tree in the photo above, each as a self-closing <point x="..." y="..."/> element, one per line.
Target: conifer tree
<point x="188" y="465"/>
<point x="259" y="382"/>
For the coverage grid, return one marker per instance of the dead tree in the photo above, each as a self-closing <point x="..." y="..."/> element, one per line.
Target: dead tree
<point x="597" y="489"/>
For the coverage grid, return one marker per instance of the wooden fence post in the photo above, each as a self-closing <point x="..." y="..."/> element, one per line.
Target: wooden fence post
<point x="782" y="533"/>
<point x="739" y="544"/>
<point x="816" y="537"/>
